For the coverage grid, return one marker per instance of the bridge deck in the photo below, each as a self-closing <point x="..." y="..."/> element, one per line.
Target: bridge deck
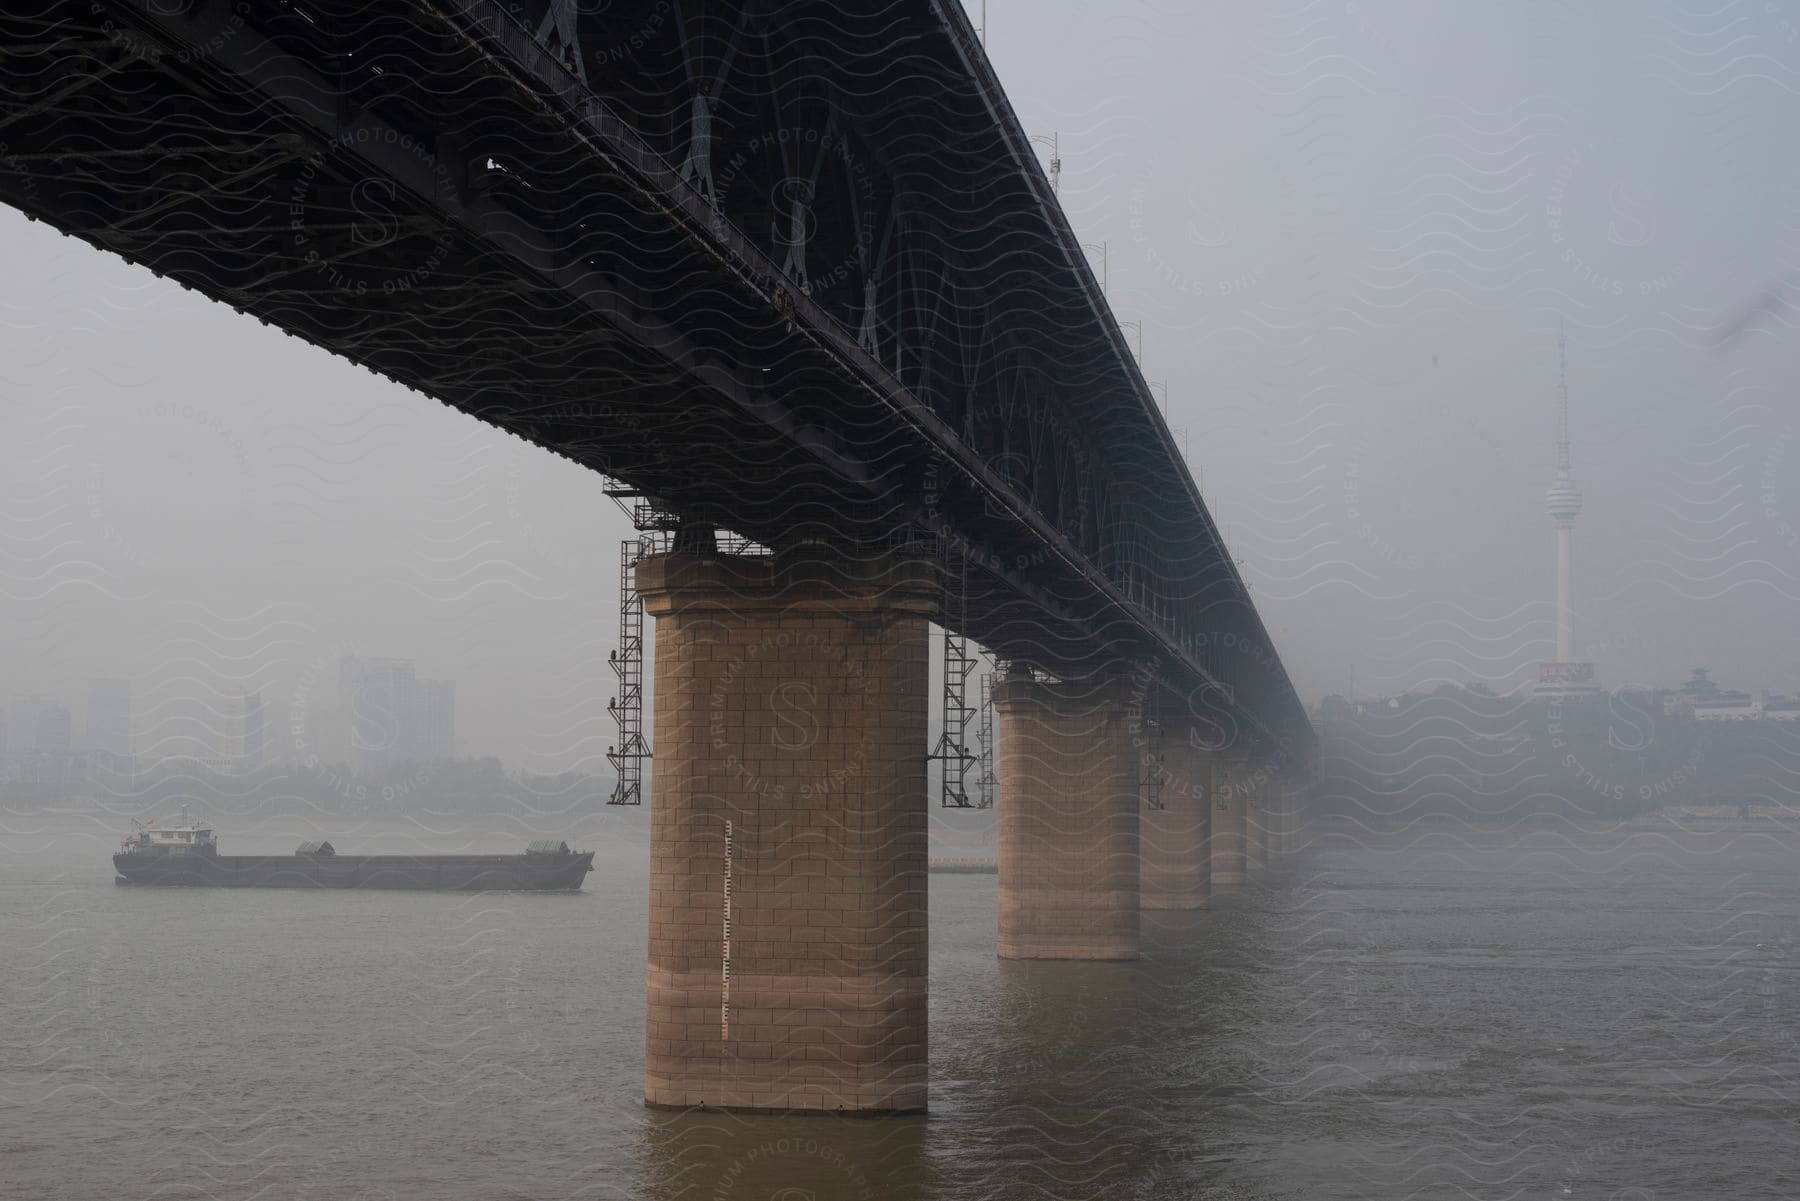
<point x="428" y="191"/>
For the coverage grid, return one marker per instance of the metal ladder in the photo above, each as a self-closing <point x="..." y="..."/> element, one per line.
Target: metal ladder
<point x="1151" y="773"/>
<point x="959" y="662"/>
<point x="656" y="527"/>
<point x="987" y="782"/>
<point x="627" y="705"/>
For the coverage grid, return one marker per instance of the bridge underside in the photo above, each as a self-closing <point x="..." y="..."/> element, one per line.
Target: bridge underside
<point x="871" y="341"/>
<point x="430" y="192"/>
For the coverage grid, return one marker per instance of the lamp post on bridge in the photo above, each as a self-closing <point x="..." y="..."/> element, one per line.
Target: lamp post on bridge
<point x="1055" y="161"/>
<point x="1101" y="247"/>
<point x="1164" y="385"/>
<point x="1139" y="326"/>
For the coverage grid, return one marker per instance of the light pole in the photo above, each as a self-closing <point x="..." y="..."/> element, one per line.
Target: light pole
<point x="1101" y="247"/>
<point x="1139" y="326"/>
<point x="1055" y="159"/>
<point x="1164" y="385"/>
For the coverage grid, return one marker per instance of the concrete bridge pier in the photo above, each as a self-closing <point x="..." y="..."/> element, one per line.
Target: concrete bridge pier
<point x="1231" y="791"/>
<point x="1175" y="865"/>
<point x="1280" y="816"/>
<point x="787" y="963"/>
<point x="1259" y="822"/>
<point x="1068" y="886"/>
<point x="1296" y="814"/>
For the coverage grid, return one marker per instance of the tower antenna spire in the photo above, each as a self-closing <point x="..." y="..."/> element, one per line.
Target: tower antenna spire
<point x="1562" y="399"/>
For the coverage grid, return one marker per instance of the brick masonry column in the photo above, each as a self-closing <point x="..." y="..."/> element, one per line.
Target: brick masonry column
<point x="1068" y="885"/>
<point x="1280" y="809"/>
<point x="791" y="704"/>
<point x="1258" y="798"/>
<point x="1306" y="786"/>
<point x="1175" y="867"/>
<point x="1301" y="792"/>
<point x="1231" y="779"/>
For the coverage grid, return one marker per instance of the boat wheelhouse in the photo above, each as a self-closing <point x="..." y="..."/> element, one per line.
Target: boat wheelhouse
<point x="177" y="835"/>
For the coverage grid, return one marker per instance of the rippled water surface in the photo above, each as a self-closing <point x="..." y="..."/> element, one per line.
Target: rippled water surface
<point x="1612" y="1017"/>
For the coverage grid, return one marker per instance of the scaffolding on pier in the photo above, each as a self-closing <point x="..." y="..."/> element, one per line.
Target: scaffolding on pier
<point x="1150" y="765"/>
<point x="627" y="756"/>
<point x="987" y="780"/>
<point x="658" y="530"/>
<point x="654" y="526"/>
<point x="952" y="749"/>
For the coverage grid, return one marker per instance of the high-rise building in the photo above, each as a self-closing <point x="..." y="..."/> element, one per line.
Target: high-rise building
<point x="382" y="697"/>
<point x="323" y="736"/>
<point x="186" y="731"/>
<point x="1564" y="678"/>
<point x="395" y="718"/>
<point x="109" y="720"/>
<point x="54" y="730"/>
<point x="435" y="720"/>
<point x="26" y="707"/>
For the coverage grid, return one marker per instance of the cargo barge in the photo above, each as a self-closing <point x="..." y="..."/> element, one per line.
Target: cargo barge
<point x="186" y="852"/>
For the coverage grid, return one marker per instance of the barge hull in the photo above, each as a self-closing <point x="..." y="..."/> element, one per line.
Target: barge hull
<point x="455" y="873"/>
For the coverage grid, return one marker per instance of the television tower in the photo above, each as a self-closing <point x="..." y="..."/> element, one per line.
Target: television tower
<point x="1564" y="677"/>
<point x="1563" y="500"/>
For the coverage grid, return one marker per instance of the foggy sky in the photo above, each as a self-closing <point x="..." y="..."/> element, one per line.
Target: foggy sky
<point x="1351" y="232"/>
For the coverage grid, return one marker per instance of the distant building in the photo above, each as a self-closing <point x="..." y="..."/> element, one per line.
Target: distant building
<point x="324" y="736"/>
<point x="1699" y="690"/>
<point x="395" y="719"/>
<point x="1699" y="687"/>
<point x="1756" y="706"/>
<point x="109" y="720"/>
<point x="26" y="708"/>
<point x="435" y="735"/>
<point x="1471" y="755"/>
<point x="381" y="699"/>
<point x="184" y="731"/>
<point x="54" y="731"/>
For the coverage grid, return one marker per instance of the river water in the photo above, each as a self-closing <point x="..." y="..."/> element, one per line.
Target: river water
<point x="1604" y="1016"/>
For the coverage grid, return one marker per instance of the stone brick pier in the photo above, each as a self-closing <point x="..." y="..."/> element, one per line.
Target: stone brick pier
<point x="1068" y="886"/>
<point x="788" y="918"/>
<point x="788" y="833"/>
<point x="1175" y="866"/>
<point x="1231" y="792"/>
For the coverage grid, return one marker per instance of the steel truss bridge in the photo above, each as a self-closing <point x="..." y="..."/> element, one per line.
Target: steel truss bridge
<point x="790" y="270"/>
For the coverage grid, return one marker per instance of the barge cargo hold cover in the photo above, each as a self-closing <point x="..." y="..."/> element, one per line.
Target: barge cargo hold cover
<point x="186" y="853"/>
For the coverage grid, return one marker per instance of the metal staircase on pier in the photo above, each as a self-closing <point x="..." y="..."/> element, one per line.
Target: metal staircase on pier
<point x="987" y="780"/>
<point x="952" y="749"/>
<point x="656" y="533"/>
<point x="655" y="527"/>
<point x="1150" y="766"/>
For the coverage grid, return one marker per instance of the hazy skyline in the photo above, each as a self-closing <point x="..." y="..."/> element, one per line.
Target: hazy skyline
<point x="1351" y="233"/>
